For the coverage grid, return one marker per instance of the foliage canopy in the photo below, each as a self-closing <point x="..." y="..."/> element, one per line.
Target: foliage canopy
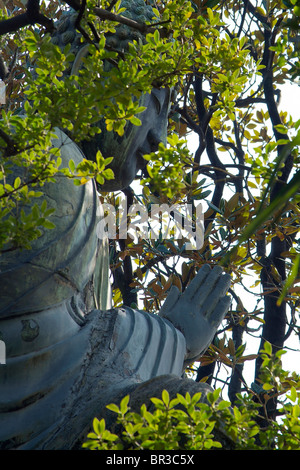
<point x="228" y="61"/>
<point x="184" y="423"/>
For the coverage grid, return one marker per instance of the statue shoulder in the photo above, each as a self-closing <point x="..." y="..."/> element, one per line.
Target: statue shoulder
<point x="68" y="149"/>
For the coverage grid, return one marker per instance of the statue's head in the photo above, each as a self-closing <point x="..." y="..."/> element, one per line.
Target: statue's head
<point x="128" y="149"/>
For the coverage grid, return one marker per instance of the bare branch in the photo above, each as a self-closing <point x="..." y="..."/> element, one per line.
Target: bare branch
<point x="108" y="15"/>
<point x="10" y="144"/>
<point x="252" y="9"/>
<point x="30" y="17"/>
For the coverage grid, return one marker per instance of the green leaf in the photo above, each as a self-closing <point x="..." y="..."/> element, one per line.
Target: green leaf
<point x="17" y="182"/>
<point x="165" y="397"/>
<point x="150" y="172"/>
<point x="267" y="348"/>
<point x="113" y="407"/>
<point x="281" y="129"/>
<point x="124" y="405"/>
<point x="108" y="160"/>
<point x="158" y="403"/>
<point x="72" y="165"/>
<point x="196" y="398"/>
<point x="44" y="205"/>
<point x="35" y="211"/>
<point x="98" y="426"/>
<point x="213" y="207"/>
<point x="108" y="174"/>
<point x="293" y="394"/>
<point x="223" y="405"/>
<point x="135" y="121"/>
<point x="156" y="36"/>
<point x="49" y="225"/>
<point x="267" y="387"/>
<point x="100" y="179"/>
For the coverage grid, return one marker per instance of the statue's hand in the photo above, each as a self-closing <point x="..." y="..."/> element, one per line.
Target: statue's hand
<point x="198" y="312"/>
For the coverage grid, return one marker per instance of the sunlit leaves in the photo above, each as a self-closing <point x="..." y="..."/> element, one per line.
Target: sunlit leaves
<point x="88" y="169"/>
<point x="165" y="167"/>
<point x="168" y="427"/>
<point x="76" y="103"/>
<point x="187" y="422"/>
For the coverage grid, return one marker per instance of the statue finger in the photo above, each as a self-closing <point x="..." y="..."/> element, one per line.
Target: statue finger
<point x="170" y="301"/>
<point x="220" y="311"/>
<point x="206" y="292"/>
<point x="218" y="291"/>
<point x="198" y="280"/>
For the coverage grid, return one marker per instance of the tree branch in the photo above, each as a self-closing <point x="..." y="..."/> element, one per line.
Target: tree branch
<point x="267" y="72"/>
<point x="30" y="17"/>
<point x="210" y="146"/>
<point x="252" y="9"/>
<point x="108" y="15"/>
<point x="11" y="148"/>
<point x="33" y="16"/>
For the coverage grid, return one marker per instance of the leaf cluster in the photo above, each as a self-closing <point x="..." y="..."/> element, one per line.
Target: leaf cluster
<point x="188" y="423"/>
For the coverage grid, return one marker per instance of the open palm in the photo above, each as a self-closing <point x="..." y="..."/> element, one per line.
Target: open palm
<point x="198" y="312"/>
